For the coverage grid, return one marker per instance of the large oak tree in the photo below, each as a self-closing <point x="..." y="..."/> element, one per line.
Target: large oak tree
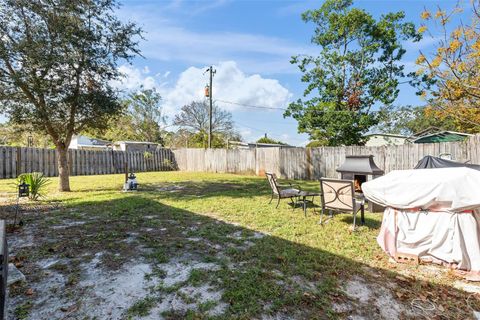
<point x="357" y="69"/>
<point x="57" y="59"/>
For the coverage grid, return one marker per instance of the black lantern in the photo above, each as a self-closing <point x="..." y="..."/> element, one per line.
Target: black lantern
<point x="23" y="190"/>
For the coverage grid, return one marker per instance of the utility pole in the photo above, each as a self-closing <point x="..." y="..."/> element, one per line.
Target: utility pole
<point x="209" y="94"/>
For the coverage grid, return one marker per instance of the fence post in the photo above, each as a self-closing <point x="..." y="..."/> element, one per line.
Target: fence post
<point x="19" y="161"/>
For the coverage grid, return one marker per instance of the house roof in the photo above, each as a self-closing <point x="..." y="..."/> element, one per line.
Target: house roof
<point x="387" y="135"/>
<point x="93" y="141"/>
<point x="134" y="142"/>
<point x="99" y="146"/>
<point x="442" y="136"/>
<point x="253" y="144"/>
<point x="99" y="142"/>
<point x="427" y="131"/>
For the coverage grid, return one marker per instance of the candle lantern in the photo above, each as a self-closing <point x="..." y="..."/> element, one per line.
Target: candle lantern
<point x="23" y="190"/>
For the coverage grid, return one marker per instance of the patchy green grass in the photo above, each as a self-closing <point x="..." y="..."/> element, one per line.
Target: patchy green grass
<point x="22" y="311"/>
<point x="142" y="307"/>
<point x="216" y="250"/>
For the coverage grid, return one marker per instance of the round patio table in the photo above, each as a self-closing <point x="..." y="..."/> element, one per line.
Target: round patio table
<point x="302" y="198"/>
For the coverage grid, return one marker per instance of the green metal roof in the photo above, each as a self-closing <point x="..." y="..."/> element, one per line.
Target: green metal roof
<point x="442" y="137"/>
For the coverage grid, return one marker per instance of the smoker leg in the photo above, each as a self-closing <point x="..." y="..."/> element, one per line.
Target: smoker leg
<point x="354" y="219"/>
<point x="305" y="206"/>
<point x="16" y="212"/>
<point x="362" y="214"/>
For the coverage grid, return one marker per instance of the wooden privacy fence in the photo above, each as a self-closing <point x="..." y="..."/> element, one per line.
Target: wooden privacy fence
<point x="314" y="163"/>
<point x="290" y="163"/>
<point x="245" y="161"/>
<point x="17" y="160"/>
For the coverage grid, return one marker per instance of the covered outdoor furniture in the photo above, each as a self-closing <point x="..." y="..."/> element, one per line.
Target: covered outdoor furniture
<point x="282" y="191"/>
<point x="339" y="195"/>
<point x="433" y="215"/>
<point x="430" y="162"/>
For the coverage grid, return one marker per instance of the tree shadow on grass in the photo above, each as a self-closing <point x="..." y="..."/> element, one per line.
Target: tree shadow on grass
<point x="204" y="267"/>
<point x="246" y="188"/>
<point x="369" y="223"/>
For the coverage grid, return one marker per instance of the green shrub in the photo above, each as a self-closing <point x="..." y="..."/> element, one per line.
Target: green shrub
<point x="316" y="144"/>
<point x="37" y="183"/>
<point x="167" y="163"/>
<point x="147" y="155"/>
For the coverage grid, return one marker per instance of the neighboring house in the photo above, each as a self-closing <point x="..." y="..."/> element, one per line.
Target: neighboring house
<point x="134" y="146"/>
<point x="385" y="139"/>
<point x="439" y="136"/>
<point x="253" y="145"/>
<point x="87" y="143"/>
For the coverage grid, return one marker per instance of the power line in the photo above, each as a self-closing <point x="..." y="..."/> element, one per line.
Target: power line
<point x="284" y="109"/>
<point x="250" y="106"/>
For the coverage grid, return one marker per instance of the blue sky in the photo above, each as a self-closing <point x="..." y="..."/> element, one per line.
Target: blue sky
<point x="250" y="44"/>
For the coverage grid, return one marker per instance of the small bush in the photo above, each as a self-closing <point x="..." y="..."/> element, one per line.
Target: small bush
<point x="37" y="183"/>
<point x="147" y="155"/>
<point x="316" y="144"/>
<point x="167" y="163"/>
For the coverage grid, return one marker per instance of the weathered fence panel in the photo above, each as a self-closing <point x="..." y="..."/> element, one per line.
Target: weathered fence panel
<point x="314" y="163"/>
<point x="267" y="160"/>
<point x="291" y="163"/>
<point x="17" y="160"/>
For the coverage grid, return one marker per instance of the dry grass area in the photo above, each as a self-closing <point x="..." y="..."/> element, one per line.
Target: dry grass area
<point x="209" y="246"/>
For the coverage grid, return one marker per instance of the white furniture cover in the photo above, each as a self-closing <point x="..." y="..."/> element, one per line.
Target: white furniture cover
<point x="453" y="189"/>
<point x="431" y="213"/>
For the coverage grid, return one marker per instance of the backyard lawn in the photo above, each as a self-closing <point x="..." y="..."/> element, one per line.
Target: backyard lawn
<point x="209" y="246"/>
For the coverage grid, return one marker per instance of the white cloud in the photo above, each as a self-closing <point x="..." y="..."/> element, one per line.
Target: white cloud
<point x="229" y="84"/>
<point x="133" y="78"/>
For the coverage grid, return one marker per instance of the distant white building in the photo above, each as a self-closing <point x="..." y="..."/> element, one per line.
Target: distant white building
<point x="385" y="139"/>
<point x="134" y="146"/>
<point x="86" y="143"/>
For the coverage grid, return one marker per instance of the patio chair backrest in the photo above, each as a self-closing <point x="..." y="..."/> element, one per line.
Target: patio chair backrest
<point x="337" y="194"/>
<point x="272" y="180"/>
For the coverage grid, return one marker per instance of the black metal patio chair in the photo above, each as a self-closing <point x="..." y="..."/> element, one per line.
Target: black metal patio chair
<point x="282" y="191"/>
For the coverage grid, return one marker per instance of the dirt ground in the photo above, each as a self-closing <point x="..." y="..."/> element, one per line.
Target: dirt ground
<point x="82" y="264"/>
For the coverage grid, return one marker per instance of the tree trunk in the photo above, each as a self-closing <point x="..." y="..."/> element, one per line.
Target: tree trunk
<point x="63" y="170"/>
